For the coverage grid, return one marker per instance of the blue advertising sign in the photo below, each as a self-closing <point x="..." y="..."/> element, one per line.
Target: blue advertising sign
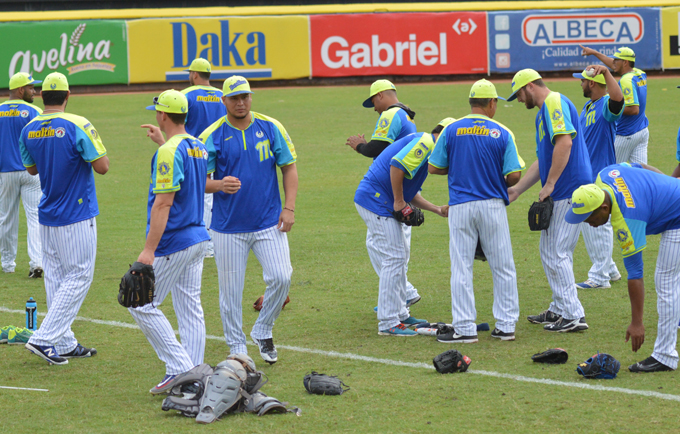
<point x="549" y="40"/>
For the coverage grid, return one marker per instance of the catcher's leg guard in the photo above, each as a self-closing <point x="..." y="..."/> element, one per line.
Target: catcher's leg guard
<point x="222" y="393"/>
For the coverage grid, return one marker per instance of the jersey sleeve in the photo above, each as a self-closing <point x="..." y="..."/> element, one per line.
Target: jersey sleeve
<point x="388" y="126"/>
<point x="634" y="266"/>
<point x="629" y="233"/>
<point x="558" y="117"/>
<point x="512" y="162"/>
<point x="607" y="113"/>
<point x="88" y="143"/>
<point x="26" y="158"/>
<point x="413" y="156"/>
<point x="440" y="155"/>
<point x="630" y="96"/>
<point x="282" y="146"/>
<point x="169" y="171"/>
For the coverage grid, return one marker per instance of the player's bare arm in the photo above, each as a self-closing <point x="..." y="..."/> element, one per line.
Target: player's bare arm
<point x="290" y="188"/>
<point x="356" y="140"/>
<point x="33" y="170"/>
<point x="560" y="159"/>
<point x="101" y="165"/>
<point x="631" y="110"/>
<point x="422" y="203"/>
<point x="159" y="219"/>
<point x="676" y="172"/>
<point x="397" y="181"/>
<point x="652" y="168"/>
<point x="601" y="57"/>
<point x="228" y="185"/>
<point x="636" y="330"/>
<point x="437" y="171"/>
<point x="613" y="88"/>
<point x="513" y="178"/>
<point x="530" y="178"/>
<point x="155" y="134"/>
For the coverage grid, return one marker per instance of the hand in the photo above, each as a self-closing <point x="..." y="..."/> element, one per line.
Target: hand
<point x="230" y="185"/>
<point x="286" y="220"/>
<point x="587" y="51"/>
<point x="444" y="211"/>
<point x="354" y="141"/>
<point x="513" y="194"/>
<point x="545" y="192"/>
<point x="597" y="69"/>
<point x="399" y="204"/>
<point x="637" y="333"/>
<point x="146" y="257"/>
<point x="154" y="134"/>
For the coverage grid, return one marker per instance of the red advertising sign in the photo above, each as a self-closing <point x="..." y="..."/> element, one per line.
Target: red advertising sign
<point x="399" y="44"/>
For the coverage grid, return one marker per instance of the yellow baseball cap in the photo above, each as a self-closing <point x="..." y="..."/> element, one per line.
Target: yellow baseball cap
<point x="199" y="65"/>
<point x="521" y="79"/>
<point x="484" y="89"/>
<point x="377" y="87"/>
<point x="235" y="85"/>
<point x="444" y="122"/>
<point x="170" y="101"/>
<point x="585" y="199"/>
<point x="55" y="81"/>
<point x="586" y="75"/>
<point x="21" y="79"/>
<point x="625" y="53"/>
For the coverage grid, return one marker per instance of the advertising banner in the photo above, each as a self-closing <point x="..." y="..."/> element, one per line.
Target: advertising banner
<point x="670" y="18"/>
<point x="398" y="44"/>
<point x="86" y="52"/>
<point x="257" y="47"/>
<point x="549" y="40"/>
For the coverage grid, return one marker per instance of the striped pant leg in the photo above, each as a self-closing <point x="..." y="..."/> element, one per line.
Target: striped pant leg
<point x="639" y="154"/>
<point x="389" y="247"/>
<point x="169" y="271"/>
<point x="599" y="244"/>
<point x="463" y="235"/>
<point x="10" y="189"/>
<point x="207" y="216"/>
<point x="75" y="248"/>
<point x="272" y="251"/>
<point x="231" y="257"/>
<point x="667" y="280"/>
<point x="53" y="272"/>
<point x="494" y="234"/>
<point x="411" y="291"/>
<point x="632" y="148"/>
<point x="557" y="255"/>
<point x="30" y="196"/>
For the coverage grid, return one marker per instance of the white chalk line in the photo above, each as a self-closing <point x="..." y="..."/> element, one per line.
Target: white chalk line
<point x="24" y="388"/>
<point x="351" y="356"/>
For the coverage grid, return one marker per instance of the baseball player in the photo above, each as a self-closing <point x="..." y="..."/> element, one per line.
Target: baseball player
<point x="563" y="165"/>
<point x="64" y="149"/>
<point x="481" y="160"/>
<point x="640" y="203"/>
<point x="15" y="182"/>
<point x="395" y="121"/>
<point x="245" y="146"/>
<point x="395" y="178"/>
<point x="176" y="239"/>
<point x="632" y="134"/>
<point x="205" y="107"/>
<point x="598" y="123"/>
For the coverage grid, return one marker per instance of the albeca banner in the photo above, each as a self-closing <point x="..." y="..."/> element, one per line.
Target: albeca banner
<point x="398" y="44"/>
<point x="549" y="40"/>
<point x="86" y="52"/>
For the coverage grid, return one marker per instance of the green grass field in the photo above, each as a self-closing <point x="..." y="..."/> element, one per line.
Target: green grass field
<point x="330" y="326"/>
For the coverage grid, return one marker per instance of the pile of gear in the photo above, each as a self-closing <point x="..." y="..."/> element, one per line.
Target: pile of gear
<point x="233" y="386"/>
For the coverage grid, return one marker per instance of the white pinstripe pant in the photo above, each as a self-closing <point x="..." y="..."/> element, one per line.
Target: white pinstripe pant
<point x="411" y="291"/>
<point x="599" y="244"/>
<point x="667" y="280"/>
<point x="180" y="274"/>
<point x="69" y="254"/>
<point x="207" y="215"/>
<point x="557" y="255"/>
<point x="270" y="247"/>
<point x="389" y="252"/>
<point x="632" y="148"/>
<point x="488" y="221"/>
<point x="14" y="185"/>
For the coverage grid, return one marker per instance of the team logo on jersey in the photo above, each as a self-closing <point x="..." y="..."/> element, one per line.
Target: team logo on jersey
<point x="626" y="91"/>
<point x="208" y="98"/>
<point x="494" y="133"/>
<point x="60" y="132"/>
<point x="163" y="168"/>
<point x="94" y="133"/>
<point x="419" y="153"/>
<point x="24" y="113"/>
<point x="621" y="235"/>
<point x="623" y="189"/>
<point x="557" y="115"/>
<point x="384" y="123"/>
<point x="259" y="134"/>
<point x="614" y="173"/>
<point x="205" y="154"/>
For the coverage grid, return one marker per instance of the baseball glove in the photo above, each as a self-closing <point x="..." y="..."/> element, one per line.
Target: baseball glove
<point x="540" y="214"/>
<point x="137" y="287"/>
<point x="258" y="303"/>
<point x="322" y="384"/>
<point x="601" y="365"/>
<point x="409" y="215"/>
<point x="552" y="356"/>
<point x="451" y="361"/>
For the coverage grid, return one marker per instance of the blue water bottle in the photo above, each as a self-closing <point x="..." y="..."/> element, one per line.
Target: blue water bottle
<point x="31" y="314"/>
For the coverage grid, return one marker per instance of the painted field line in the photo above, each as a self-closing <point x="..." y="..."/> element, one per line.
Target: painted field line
<point x="351" y="356"/>
<point x="24" y="388"/>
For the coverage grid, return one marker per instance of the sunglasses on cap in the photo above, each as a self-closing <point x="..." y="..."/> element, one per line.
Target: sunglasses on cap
<point x="155" y="102"/>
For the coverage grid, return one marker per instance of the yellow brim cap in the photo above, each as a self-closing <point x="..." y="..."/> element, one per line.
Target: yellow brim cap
<point x="377" y="87"/>
<point x="584" y="75"/>
<point x="21" y="79"/>
<point x="521" y="79"/>
<point x="584" y="200"/>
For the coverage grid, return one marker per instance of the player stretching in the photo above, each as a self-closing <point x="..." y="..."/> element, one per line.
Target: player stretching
<point x="176" y="240"/>
<point x="640" y="203"/>
<point x="64" y="149"/>
<point x="248" y="146"/>
<point x="562" y="166"/>
<point x="15" y="182"/>
<point x="481" y="160"/>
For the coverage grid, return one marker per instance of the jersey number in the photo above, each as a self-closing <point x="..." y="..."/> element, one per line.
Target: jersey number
<point x="263" y="147"/>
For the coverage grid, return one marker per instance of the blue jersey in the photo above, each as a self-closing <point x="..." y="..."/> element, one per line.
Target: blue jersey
<point x="62" y="146"/>
<point x="409" y="154"/>
<point x="14" y="115"/>
<point x="677" y="147"/>
<point x="558" y="116"/>
<point x="598" y="124"/>
<point x="393" y="124"/>
<point x="478" y="152"/>
<point x="205" y="107"/>
<point x="252" y="156"/>
<point x="180" y="166"/>
<point x="634" y="87"/>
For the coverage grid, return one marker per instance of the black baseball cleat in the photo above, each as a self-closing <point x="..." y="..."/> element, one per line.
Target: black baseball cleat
<point x="35" y="273"/>
<point x="79" y="352"/>
<point x="451" y="337"/>
<point x="48" y="353"/>
<point x="267" y="349"/>
<point x="509" y="336"/>
<point x="650" y="364"/>
<point x="545" y="317"/>
<point x="564" y="325"/>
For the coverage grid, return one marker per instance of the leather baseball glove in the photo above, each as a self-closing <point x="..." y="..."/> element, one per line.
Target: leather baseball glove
<point x="601" y="365"/>
<point x="409" y="215"/>
<point x="451" y="361"/>
<point x="540" y="214"/>
<point x="322" y="384"/>
<point x="138" y="286"/>
<point x="552" y="356"/>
